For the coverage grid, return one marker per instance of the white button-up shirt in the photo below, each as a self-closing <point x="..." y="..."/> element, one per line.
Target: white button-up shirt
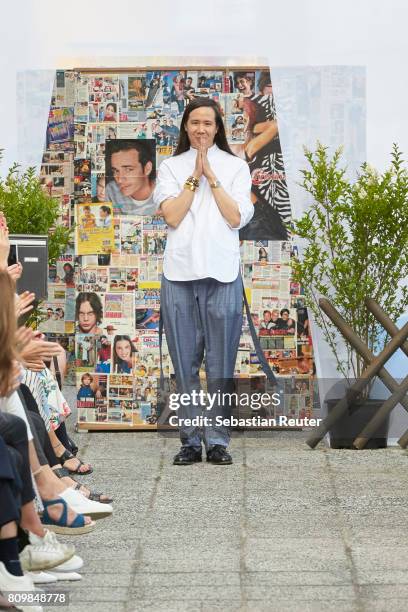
<point x="204" y="245"/>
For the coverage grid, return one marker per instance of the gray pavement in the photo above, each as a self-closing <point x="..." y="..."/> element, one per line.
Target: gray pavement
<point x="283" y="529"/>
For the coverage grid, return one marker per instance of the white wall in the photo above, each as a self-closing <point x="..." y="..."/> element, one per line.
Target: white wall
<point x="47" y="34"/>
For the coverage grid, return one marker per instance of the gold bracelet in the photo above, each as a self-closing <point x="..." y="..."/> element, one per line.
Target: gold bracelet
<point x="190" y="186"/>
<point x="194" y="180"/>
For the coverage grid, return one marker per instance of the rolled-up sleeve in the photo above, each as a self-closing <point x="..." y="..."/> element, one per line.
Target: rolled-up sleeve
<point x="166" y="185"/>
<point x="241" y="193"/>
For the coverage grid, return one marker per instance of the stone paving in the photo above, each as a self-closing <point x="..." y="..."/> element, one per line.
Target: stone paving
<point x="283" y="529"/>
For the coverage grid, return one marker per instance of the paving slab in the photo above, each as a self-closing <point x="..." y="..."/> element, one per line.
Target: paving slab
<point x="283" y="529"/>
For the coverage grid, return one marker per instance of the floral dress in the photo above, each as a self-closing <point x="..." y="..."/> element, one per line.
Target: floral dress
<point x="51" y="403"/>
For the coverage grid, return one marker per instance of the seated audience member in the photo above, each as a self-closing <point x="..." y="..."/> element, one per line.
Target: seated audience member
<point x="65" y="502"/>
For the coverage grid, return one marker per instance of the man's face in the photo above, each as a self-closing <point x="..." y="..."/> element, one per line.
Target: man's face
<point x="267" y="316"/>
<point x="285" y="316"/>
<point x="189" y="82"/>
<point x="201" y="127"/>
<point x="129" y="173"/>
<point x="103" y="214"/>
<point x="267" y="90"/>
<point x="87" y="318"/>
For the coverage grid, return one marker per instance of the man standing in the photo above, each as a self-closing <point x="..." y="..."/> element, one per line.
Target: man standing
<point x="131" y="173"/>
<point x="203" y="192"/>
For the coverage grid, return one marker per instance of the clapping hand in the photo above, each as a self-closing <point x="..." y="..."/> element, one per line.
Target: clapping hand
<point x="4" y="242"/>
<point x="24" y="303"/>
<point x="15" y="378"/>
<point x="22" y="337"/>
<point x="15" y="271"/>
<point x="36" y="352"/>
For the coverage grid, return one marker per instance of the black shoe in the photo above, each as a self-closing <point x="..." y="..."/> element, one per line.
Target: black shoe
<point x="219" y="455"/>
<point x="187" y="455"/>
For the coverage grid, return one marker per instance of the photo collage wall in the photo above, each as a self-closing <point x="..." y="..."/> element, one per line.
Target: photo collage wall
<point x="107" y="135"/>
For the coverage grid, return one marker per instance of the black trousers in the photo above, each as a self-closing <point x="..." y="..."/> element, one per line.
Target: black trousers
<point x="13" y="430"/>
<point x="10" y="486"/>
<point x="42" y="443"/>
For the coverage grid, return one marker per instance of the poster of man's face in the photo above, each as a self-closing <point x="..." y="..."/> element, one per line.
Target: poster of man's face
<point x="131" y="175"/>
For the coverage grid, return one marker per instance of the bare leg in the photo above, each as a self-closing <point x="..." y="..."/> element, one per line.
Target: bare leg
<point x="9" y="530"/>
<point x="30" y="521"/>
<point x="69" y="482"/>
<point x="59" y="449"/>
<point x="49" y="486"/>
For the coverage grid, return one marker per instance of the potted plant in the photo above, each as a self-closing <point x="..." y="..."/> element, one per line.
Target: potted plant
<point x="30" y="210"/>
<point x="355" y="238"/>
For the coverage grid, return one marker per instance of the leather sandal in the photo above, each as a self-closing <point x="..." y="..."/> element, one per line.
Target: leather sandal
<point x="77" y="527"/>
<point x="66" y="455"/>
<point x="93" y="495"/>
<point x="61" y="472"/>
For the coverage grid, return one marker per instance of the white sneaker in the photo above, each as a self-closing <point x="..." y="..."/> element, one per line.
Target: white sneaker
<point x="72" y="565"/>
<point x="62" y="576"/>
<point x="9" y="582"/>
<point x="41" y="577"/>
<point x="82" y="505"/>
<point x="45" y="553"/>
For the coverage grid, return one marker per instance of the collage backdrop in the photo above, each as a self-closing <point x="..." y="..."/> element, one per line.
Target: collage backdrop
<point x="107" y="134"/>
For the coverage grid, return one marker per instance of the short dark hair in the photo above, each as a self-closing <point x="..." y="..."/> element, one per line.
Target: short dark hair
<point x="220" y="138"/>
<point x="284" y="310"/>
<point x="95" y="302"/>
<point x="105" y="209"/>
<point x="243" y="75"/>
<point x="146" y="149"/>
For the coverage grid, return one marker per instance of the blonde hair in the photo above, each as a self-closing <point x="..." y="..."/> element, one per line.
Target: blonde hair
<point x="8" y="326"/>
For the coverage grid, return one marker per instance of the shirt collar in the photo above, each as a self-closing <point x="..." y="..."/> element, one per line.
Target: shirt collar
<point x="213" y="149"/>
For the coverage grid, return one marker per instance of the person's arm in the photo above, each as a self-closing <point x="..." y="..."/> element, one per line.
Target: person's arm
<point x="175" y="209"/>
<point x="4" y="243"/>
<point x="267" y="134"/>
<point x="174" y="204"/>
<point x="227" y="205"/>
<point x="236" y="208"/>
<point x="260" y="127"/>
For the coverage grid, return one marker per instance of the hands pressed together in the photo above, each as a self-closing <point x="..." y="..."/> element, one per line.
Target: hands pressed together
<point x="202" y="165"/>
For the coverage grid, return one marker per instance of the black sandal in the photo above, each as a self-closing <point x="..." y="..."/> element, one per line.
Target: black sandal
<point x="95" y="496"/>
<point x="61" y="472"/>
<point x="66" y="455"/>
